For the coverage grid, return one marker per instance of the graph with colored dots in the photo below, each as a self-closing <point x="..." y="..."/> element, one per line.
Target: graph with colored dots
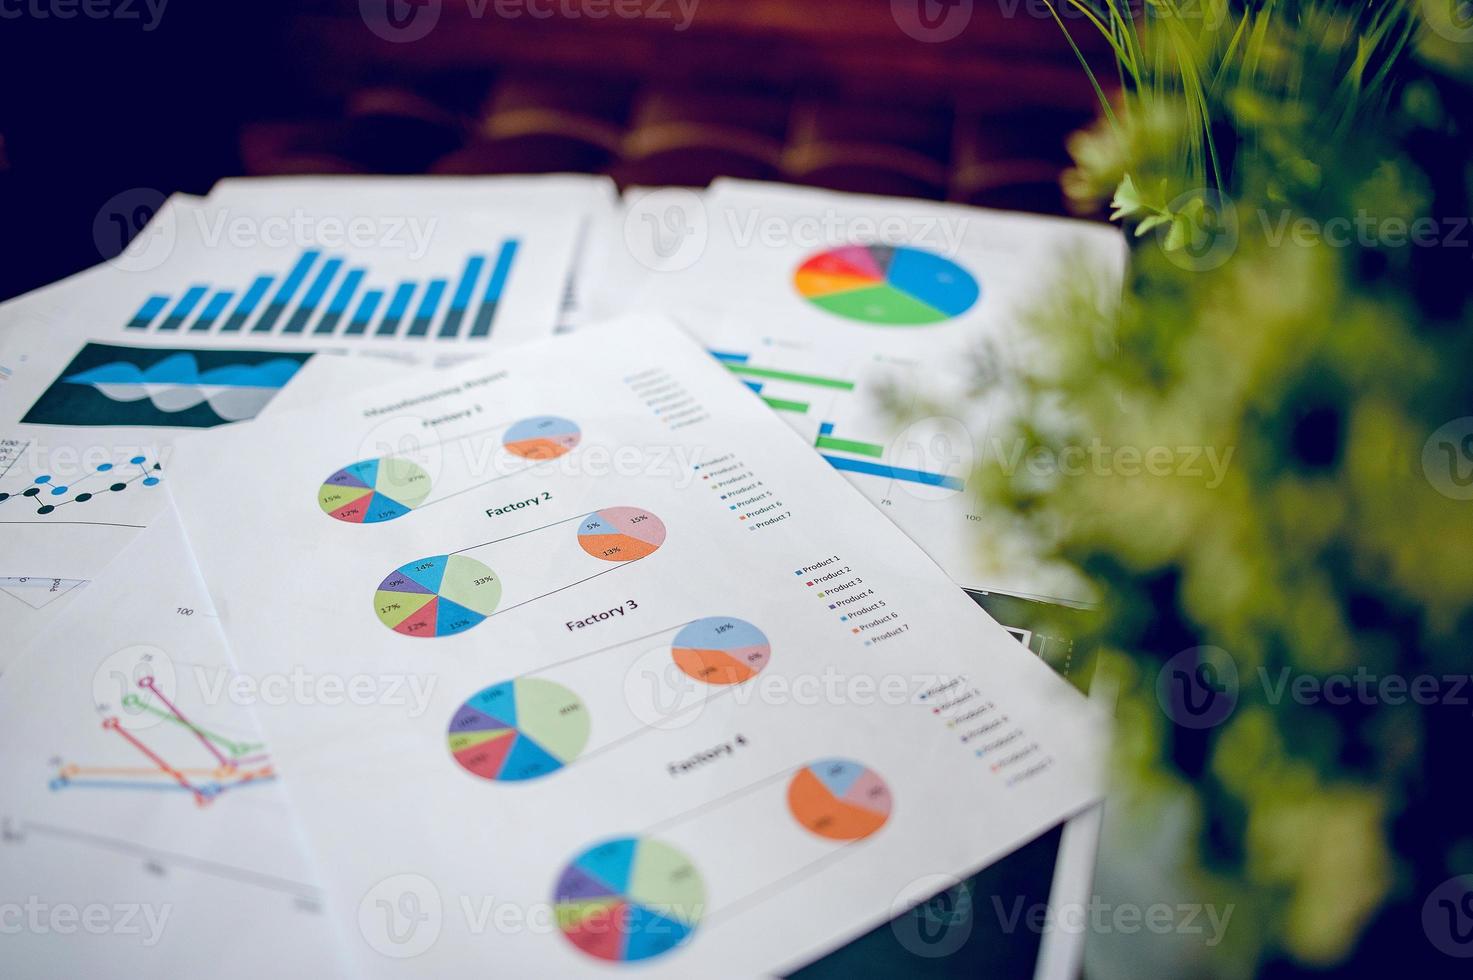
<point x="48" y="492"/>
<point x="147" y="720"/>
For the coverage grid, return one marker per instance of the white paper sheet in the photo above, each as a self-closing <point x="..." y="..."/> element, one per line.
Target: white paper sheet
<point x="143" y="828"/>
<point x="886" y="354"/>
<point x="868" y="728"/>
<point x="73" y="492"/>
<point x="88" y="387"/>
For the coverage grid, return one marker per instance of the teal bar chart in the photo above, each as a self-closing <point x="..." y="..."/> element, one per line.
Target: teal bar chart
<point x="316" y="298"/>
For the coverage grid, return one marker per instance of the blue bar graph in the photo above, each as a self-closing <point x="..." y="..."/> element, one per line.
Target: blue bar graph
<point x="487" y="312"/>
<point x="284" y="295"/>
<point x="248" y="304"/>
<point x="364" y="316"/>
<point x="462" y="298"/>
<point x="183" y="308"/>
<point x="894" y="472"/>
<point x="318" y="289"/>
<point x="427" y="309"/>
<point x="151" y="308"/>
<point x="314" y="296"/>
<point x="340" y="301"/>
<point x="390" y="324"/>
<point x="212" y="312"/>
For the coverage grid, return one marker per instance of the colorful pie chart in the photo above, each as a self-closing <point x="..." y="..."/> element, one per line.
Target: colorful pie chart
<point x="519" y="730"/>
<point x="374" y="490"/>
<point x="893" y="286"/>
<point x="621" y="533"/>
<point x="437" y="596"/>
<point x="720" y="650"/>
<point x="629" y="899"/>
<point x="839" y="799"/>
<point x="542" y="437"/>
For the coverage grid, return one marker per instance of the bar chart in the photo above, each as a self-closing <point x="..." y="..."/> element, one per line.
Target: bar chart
<point x="793" y="397"/>
<point x="322" y="296"/>
<point x="803" y="393"/>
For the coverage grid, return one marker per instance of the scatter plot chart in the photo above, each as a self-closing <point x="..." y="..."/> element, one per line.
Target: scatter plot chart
<point x="519" y="730"/>
<point x="839" y="799"/>
<point x="48" y="492"/>
<point x="629" y="899"/>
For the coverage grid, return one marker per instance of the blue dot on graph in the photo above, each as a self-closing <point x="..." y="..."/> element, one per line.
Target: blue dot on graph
<point x="149" y="481"/>
<point x="57" y="491"/>
<point x="43" y="478"/>
<point x="104" y="467"/>
<point x="136" y="459"/>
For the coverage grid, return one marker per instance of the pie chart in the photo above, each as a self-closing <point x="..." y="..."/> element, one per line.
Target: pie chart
<point x="541" y="437"/>
<point x="839" y="799"/>
<point x="892" y="286"/>
<point x="437" y="596"/>
<point x="720" y="650"/>
<point x="518" y="730"/>
<point x="621" y="533"/>
<point x="374" y="490"/>
<point x="629" y="899"/>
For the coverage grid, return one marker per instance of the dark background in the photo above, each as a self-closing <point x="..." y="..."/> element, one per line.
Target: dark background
<point x="833" y="94"/>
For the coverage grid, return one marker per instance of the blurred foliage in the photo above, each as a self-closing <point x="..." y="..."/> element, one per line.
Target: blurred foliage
<point x="1269" y="163"/>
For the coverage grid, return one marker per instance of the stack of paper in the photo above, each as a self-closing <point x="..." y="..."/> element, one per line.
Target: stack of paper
<point x="574" y="655"/>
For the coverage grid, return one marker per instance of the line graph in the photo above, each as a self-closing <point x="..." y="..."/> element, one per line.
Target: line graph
<point x="49" y="491"/>
<point x="236" y="764"/>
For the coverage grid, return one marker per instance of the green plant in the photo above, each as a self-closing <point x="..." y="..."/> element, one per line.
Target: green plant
<point x="1324" y="367"/>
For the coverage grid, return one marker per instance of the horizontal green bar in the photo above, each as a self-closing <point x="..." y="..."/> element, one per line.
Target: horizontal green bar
<point x="802" y="379"/>
<point x="849" y="446"/>
<point x="783" y="405"/>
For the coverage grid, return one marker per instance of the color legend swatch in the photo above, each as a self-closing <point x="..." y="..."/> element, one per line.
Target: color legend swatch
<point x="894" y="286"/>
<point x="629" y="899"/>
<point x="517" y="730"/>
